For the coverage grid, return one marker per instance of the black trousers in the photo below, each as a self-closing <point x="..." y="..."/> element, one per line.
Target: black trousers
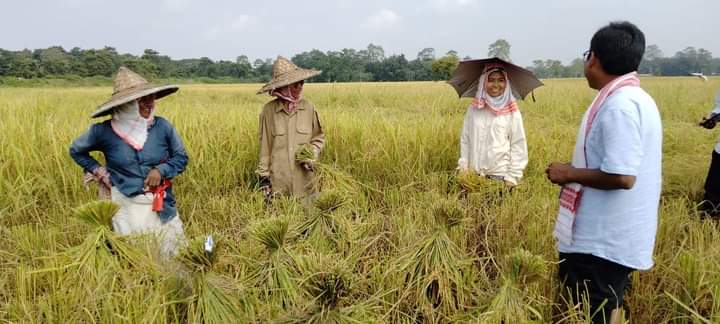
<point x="712" y="182"/>
<point x="602" y="281"/>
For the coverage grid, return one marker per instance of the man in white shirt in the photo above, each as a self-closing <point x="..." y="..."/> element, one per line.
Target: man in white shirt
<point x="711" y="200"/>
<point x="609" y="202"/>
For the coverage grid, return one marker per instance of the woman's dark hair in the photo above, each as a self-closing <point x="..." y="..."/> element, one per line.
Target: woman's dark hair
<point x="619" y="47"/>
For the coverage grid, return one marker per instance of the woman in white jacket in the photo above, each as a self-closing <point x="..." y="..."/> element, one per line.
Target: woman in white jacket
<point x="492" y="142"/>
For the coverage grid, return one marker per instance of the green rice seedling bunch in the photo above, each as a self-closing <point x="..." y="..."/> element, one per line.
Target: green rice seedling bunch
<point x="276" y="273"/>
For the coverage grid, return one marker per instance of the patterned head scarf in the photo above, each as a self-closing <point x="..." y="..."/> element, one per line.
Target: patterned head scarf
<point x="501" y="105"/>
<point x="289" y="99"/>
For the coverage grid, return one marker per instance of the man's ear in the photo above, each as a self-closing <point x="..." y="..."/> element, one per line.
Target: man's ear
<point x="593" y="62"/>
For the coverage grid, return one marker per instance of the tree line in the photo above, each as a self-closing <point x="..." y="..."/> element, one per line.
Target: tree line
<point x="346" y="65"/>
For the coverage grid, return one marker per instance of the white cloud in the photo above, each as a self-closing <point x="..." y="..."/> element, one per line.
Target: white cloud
<point x="449" y="4"/>
<point x="384" y="17"/>
<point x="230" y="26"/>
<point x="176" y="4"/>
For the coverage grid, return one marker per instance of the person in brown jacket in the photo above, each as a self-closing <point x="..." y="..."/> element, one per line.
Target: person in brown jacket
<point x="287" y="124"/>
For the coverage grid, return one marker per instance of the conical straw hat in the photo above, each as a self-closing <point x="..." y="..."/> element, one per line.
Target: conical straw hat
<point x="284" y="73"/>
<point x="130" y="86"/>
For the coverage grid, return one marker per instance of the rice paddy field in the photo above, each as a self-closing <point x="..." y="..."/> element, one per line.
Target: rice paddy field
<point x="390" y="239"/>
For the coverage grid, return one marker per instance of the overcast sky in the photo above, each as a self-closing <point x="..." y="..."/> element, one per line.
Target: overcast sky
<point x="225" y="29"/>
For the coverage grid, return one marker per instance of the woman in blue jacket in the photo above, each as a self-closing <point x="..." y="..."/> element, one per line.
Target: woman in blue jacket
<point x="143" y="154"/>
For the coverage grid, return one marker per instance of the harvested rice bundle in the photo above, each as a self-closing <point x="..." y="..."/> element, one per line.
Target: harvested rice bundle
<point x="471" y="182"/>
<point x="201" y="253"/>
<point x="328" y="282"/>
<point x="326" y="176"/>
<point x="330" y="200"/>
<point x="524" y="268"/>
<point x="100" y="247"/>
<point x="434" y="266"/>
<point x="511" y="303"/>
<point x="97" y="213"/>
<point x="321" y="217"/>
<point x="305" y="154"/>
<point x="210" y="302"/>
<point x="510" y="306"/>
<point x="276" y="274"/>
<point x="448" y="214"/>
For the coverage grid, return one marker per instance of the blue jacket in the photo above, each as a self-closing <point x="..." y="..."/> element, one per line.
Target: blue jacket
<point x="128" y="168"/>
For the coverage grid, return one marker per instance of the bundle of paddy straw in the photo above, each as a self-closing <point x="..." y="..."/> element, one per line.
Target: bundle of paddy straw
<point x="328" y="284"/>
<point x="275" y="275"/>
<point x="322" y="217"/>
<point x="434" y="266"/>
<point x="326" y="176"/>
<point x="209" y="303"/>
<point x="470" y="181"/>
<point x="102" y="248"/>
<point x="511" y="303"/>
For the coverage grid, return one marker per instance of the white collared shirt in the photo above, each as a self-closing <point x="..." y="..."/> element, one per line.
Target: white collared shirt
<point x="493" y="145"/>
<point x="620" y="225"/>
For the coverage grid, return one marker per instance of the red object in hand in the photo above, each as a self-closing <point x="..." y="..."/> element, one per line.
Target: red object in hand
<point x="159" y="194"/>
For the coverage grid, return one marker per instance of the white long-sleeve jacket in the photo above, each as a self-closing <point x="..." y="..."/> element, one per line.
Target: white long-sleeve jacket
<point x="493" y="145"/>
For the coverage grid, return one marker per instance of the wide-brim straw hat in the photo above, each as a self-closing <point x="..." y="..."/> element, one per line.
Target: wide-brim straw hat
<point x="285" y="73"/>
<point x="129" y="86"/>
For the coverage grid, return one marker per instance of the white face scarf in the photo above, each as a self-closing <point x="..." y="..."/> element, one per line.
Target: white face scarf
<point x="130" y="126"/>
<point x="501" y="105"/>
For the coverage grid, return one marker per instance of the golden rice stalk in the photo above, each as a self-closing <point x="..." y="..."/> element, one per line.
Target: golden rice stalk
<point x="201" y="253"/>
<point x="104" y="249"/>
<point x="330" y="177"/>
<point x="433" y="270"/>
<point x="471" y="181"/>
<point x="97" y="213"/>
<point x="330" y="200"/>
<point x="447" y="213"/>
<point x="510" y="306"/>
<point x="276" y="274"/>
<point x="305" y="153"/>
<point x="318" y="221"/>
<point x="522" y="267"/>
<point x="328" y="281"/>
<point x="212" y="304"/>
<point x="271" y="233"/>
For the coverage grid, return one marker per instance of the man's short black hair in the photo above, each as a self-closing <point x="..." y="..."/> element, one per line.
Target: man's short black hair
<point x="619" y="46"/>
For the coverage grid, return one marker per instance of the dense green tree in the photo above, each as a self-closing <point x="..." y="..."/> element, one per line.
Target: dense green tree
<point x="345" y="65"/>
<point x="501" y="49"/>
<point x="443" y="68"/>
